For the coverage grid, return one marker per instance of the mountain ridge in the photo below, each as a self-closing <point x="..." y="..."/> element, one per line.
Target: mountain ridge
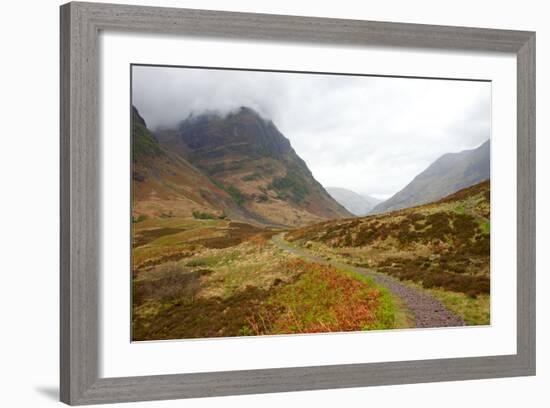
<point x="449" y="173"/>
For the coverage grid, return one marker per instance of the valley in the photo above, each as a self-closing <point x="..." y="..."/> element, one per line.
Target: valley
<point x="233" y="236"/>
<point x="421" y="267"/>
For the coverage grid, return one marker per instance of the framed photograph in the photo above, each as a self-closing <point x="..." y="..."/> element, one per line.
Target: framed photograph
<point x="262" y="203"/>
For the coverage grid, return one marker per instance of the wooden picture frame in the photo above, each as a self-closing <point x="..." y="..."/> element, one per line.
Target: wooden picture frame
<point x="80" y="233"/>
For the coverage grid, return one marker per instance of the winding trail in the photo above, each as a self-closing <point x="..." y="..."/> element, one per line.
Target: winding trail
<point x="427" y="311"/>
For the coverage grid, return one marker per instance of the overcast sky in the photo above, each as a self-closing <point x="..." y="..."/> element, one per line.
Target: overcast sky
<point x="371" y="135"/>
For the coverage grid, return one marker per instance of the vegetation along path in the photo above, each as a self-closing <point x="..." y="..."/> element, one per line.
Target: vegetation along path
<point x="427" y="311"/>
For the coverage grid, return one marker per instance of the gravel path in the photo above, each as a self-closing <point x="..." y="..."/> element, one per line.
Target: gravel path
<point x="427" y="311"/>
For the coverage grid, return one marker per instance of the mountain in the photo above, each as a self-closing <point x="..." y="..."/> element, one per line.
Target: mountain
<point x="448" y="174"/>
<point x="165" y="184"/>
<point x="239" y="165"/>
<point x="355" y="203"/>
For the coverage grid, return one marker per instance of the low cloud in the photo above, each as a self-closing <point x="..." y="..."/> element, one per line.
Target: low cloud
<point x="369" y="134"/>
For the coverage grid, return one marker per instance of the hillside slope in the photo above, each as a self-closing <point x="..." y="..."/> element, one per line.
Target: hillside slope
<point x="445" y="244"/>
<point x="450" y="173"/>
<point x="165" y="184"/>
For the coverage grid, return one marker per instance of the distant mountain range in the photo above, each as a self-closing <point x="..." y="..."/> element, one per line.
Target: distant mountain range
<point x="238" y="165"/>
<point x="448" y="174"/>
<point x="355" y="203"/>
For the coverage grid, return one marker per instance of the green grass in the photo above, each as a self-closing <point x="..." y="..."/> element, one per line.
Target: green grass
<point x="213" y="260"/>
<point x="485" y="226"/>
<point x="459" y="209"/>
<point x="404" y="318"/>
<point x="474" y="311"/>
<point x="238" y="276"/>
<point x="389" y="308"/>
<point x="385" y="314"/>
<point x="204" y="215"/>
<point x="143" y="143"/>
<point x="183" y="223"/>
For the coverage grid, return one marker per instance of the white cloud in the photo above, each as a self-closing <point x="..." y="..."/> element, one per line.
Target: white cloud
<point x="369" y="134"/>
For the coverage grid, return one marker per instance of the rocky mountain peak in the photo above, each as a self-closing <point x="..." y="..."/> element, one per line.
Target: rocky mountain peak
<point x="243" y="130"/>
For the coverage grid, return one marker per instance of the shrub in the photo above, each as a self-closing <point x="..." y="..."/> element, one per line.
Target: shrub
<point x="252" y="176"/>
<point x="290" y="186"/>
<point x="203" y="215"/>
<point x="139" y="218"/>
<point x="173" y="283"/>
<point x="262" y="198"/>
<point x="238" y="197"/>
<point x="217" y="183"/>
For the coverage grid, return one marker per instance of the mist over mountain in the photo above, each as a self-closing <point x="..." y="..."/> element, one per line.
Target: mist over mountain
<point x="355" y="203"/>
<point x="375" y="125"/>
<point x="240" y="157"/>
<point x="448" y="174"/>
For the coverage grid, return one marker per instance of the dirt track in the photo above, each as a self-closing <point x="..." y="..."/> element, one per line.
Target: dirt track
<point x="427" y="311"/>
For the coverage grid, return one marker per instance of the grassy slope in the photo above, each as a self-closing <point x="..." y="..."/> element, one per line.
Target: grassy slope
<point x="197" y="273"/>
<point x="442" y="247"/>
<point x="197" y="278"/>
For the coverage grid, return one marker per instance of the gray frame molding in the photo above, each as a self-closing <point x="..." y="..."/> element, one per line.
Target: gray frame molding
<point x="80" y="234"/>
